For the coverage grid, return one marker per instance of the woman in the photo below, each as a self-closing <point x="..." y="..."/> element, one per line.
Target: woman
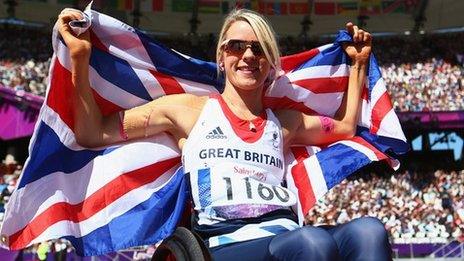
<point x="233" y="147"/>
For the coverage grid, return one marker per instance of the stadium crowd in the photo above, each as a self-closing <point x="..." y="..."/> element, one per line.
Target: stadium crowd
<point x="24" y="59"/>
<point x="415" y="207"/>
<point x="422" y="73"/>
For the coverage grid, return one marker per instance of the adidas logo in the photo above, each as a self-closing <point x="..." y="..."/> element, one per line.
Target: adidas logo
<point x="216" y="134"/>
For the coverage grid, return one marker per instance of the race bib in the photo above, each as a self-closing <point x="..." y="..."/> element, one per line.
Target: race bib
<point x="226" y="194"/>
<point x="235" y="190"/>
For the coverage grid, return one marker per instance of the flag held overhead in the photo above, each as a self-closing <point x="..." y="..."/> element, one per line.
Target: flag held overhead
<point x="132" y="194"/>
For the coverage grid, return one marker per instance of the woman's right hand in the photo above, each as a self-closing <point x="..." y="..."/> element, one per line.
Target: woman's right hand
<point x="79" y="46"/>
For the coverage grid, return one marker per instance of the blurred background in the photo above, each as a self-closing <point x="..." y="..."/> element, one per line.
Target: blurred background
<point x="418" y="43"/>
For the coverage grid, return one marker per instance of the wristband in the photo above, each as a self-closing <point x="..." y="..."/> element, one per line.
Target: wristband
<point x="327" y="124"/>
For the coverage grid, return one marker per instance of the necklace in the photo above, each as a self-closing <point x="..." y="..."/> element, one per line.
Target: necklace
<point x="251" y="125"/>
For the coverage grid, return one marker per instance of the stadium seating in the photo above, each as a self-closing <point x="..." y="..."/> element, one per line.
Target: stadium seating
<point x="422" y="74"/>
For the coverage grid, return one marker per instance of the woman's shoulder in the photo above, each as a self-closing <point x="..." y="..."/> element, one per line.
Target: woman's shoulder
<point x="183" y="99"/>
<point x="288" y="118"/>
<point x="286" y="113"/>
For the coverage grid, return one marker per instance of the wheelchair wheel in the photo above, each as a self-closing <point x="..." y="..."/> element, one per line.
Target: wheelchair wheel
<point x="181" y="246"/>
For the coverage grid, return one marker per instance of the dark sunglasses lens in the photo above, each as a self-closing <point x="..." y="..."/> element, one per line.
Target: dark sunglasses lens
<point x="239" y="47"/>
<point x="236" y="47"/>
<point x="256" y="49"/>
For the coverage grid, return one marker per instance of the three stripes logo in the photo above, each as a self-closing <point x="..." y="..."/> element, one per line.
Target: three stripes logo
<point x="216" y="134"/>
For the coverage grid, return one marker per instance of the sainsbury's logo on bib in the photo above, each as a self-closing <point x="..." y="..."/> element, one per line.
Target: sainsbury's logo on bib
<point x="216" y="134"/>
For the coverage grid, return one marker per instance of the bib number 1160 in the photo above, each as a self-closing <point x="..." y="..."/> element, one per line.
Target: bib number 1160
<point x="263" y="191"/>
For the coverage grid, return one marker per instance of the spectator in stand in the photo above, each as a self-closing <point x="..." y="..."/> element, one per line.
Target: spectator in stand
<point x="9" y="171"/>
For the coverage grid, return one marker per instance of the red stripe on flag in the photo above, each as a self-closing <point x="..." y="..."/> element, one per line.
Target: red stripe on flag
<point x="290" y="62"/>
<point x="381" y="108"/>
<point x="96" y="42"/>
<point x="380" y="155"/>
<point x="303" y="184"/>
<point x="391" y="163"/>
<point x="324" y="85"/>
<point x="301" y="179"/>
<point x="106" y="107"/>
<point x="168" y="83"/>
<point x="61" y="89"/>
<point x="300" y="153"/>
<point x="286" y="103"/>
<point x="93" y="204"/>
<point x="364" y="93"/>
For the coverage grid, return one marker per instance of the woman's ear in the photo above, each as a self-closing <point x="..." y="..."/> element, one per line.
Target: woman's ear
<point x="270" y="78"/>
<point x="221" y="66"/>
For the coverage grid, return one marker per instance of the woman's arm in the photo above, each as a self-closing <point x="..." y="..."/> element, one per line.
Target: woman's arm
<point x="316" y="130"/>
<point x="91" y="128"/>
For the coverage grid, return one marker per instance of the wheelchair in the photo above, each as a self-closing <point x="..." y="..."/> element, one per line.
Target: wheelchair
<point x="182" y="245"/>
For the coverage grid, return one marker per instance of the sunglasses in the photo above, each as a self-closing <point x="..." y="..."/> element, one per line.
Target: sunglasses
<point x="238" y="47"/>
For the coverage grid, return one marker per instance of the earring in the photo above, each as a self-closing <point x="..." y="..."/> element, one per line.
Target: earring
<point x="221" y="67"/>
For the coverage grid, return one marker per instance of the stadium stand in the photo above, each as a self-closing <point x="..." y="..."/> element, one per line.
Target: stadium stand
<point x="25" y="58"/>
<point x="425" y="74"/>
<point x="415" y="207"/>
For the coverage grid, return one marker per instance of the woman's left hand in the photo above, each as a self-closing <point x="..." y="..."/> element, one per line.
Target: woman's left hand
<point x="360" y="49"/>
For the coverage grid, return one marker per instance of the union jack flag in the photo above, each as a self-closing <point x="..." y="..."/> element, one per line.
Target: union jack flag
<point x="133" y="193"/>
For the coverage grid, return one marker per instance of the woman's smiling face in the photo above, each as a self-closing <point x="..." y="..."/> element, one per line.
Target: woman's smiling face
<point x="245" y="70"/>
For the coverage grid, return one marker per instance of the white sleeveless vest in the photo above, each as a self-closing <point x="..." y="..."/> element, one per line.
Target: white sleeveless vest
<point x="235" y="172"/>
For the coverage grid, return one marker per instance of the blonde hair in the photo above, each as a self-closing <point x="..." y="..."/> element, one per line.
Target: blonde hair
<point x="261" y="27"/>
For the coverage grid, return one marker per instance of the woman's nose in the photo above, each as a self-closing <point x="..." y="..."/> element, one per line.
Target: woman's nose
<point x="248" y="54"/>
